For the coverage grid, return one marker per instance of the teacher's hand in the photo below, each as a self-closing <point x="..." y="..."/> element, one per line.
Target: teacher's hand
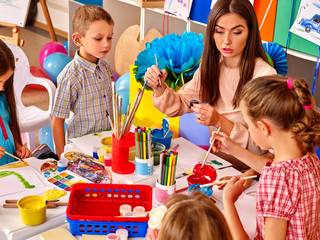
<point x="206" y="114"/>
<point x="153" y="75"/>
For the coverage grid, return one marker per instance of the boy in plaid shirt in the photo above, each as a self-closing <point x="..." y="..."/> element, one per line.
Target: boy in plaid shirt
<point x="281" y="115"/>
<point x="84" y="85"/>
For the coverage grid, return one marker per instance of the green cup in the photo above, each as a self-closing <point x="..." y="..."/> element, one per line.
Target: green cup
<point x="157" y="149"/>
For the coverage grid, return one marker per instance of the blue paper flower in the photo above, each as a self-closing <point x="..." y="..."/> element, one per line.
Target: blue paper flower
<point x="179" y="55"/>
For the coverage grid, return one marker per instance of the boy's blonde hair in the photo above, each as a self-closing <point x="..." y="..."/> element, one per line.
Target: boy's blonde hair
<point x="289" y="104"/>
<point x="193" y="216"/>
<point x="87" y="14"/>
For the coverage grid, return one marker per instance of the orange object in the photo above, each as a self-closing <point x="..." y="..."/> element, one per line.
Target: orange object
<point x="267" y="29"/>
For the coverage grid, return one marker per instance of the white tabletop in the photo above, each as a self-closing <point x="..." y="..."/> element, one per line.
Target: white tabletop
<point x="189" y="154"/>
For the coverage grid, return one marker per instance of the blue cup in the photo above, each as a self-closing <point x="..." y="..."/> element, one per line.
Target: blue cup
<point x="158" y="136"/>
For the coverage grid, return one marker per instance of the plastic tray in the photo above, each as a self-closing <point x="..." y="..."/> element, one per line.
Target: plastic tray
<point x="101" y="202"/>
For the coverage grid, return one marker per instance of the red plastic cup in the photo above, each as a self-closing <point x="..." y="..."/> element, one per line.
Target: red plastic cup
<point x="120" y="154"/>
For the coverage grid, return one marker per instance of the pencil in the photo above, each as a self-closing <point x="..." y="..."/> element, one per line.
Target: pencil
<point x="155" y="56"/>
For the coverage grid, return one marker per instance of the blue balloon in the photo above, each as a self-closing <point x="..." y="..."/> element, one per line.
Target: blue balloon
<point x="123" y="82"/>
<point x="54" y="64"/>
<point x="123" y="88"/>
<point x="45" y="137"/>
<point x="65" y="44"/>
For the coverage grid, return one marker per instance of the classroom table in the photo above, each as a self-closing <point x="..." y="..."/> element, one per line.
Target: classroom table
<point x="188" y="155"/>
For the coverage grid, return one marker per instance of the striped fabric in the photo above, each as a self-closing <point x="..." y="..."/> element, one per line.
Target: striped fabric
<point x="290" y="190"/>
<point x="85" y="89"/>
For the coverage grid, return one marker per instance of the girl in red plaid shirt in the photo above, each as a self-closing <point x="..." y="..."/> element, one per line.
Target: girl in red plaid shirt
<point x="281" y="115"/>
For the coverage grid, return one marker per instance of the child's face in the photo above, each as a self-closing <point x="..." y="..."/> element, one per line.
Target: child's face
<point x="255" y="132"/>
<point x="230" y="36"/>
<point x="4" y="78"/>
<point x="97" y="41"/>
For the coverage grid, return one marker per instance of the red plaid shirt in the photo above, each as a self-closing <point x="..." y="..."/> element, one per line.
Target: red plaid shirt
<point x="290" y="190"/>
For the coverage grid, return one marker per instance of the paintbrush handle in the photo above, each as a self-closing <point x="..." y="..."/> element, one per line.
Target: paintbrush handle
<point x="206" y="157"/>
<point x="16" y="206"/>
<point x="225" y="181"/>
<point x="16" y="200"/>
<point x="13" y="156"/>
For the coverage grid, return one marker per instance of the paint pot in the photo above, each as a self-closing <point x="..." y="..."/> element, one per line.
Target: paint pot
<point x="124" y="208"/>
<point x="107" y="159"/>
<point x="95" y="150"/>
<point x="206" y="175"/>
<point x="113" y="236"/>
<point x="139" y="209"/>
<point x="32" y="209"/>
<point x="157" y="149"/>
<point x="62" y="164"/>
<point x="157" y="136"/>
<point x="101" y="153"/>
<point x="122" y="233"/>
<point x="107" y="144"/>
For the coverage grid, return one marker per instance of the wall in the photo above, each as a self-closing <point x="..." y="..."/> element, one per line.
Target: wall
<point x="58" y="9"/>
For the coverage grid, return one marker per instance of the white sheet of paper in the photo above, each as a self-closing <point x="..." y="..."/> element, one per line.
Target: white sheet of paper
<point x="11" y="184"/>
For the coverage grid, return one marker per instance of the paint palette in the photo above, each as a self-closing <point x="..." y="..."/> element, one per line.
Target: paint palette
<point x="65" y="180"/>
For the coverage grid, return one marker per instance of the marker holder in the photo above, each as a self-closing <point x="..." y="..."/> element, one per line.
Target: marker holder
<point x="144" y="167"/>
<point x="163" y="193"/>
<point x="120" y="154"/>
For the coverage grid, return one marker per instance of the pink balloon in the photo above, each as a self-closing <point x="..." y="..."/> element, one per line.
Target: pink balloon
<point x="49" y="48"/>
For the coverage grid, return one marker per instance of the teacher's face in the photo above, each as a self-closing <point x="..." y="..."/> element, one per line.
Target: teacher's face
<point x="230" y="36"/>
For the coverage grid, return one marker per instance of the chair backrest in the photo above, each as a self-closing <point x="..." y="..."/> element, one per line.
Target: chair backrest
<point x="21" y="73"/>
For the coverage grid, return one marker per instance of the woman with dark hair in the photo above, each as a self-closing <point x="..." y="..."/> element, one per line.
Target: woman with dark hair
<point x="233" y="55"/>
<point x="10" y="140"/>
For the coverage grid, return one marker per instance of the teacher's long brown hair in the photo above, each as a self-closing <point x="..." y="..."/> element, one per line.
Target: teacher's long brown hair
<point x="209" y="68"/>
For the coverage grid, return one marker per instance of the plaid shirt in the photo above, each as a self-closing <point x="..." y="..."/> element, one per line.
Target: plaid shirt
<point x="85" y="89"/>
<point x="290" y="190"/>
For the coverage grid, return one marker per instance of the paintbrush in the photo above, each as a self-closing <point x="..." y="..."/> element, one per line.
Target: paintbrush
<point x="13" y="156"/>
<point x="221" y="182"/>
<point x="206" y="157"/>
<point x="155" y="56"/>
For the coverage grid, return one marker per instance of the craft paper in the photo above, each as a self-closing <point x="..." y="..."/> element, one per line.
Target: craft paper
<point x="180" y="8"/>
<point x="307" y="23"/>
<point x="11" y="184"/>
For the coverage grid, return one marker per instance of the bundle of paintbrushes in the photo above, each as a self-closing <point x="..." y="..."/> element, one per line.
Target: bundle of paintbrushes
<point x="168" y="165"/>
<point x="143" y="142"/>
<point x="121" y="126"/>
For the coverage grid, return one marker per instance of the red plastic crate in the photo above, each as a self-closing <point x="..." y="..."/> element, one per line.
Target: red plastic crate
<point x="101" y="202"/>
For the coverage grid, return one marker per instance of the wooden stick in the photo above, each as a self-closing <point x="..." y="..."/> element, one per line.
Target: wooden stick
<point x="206" y="157"/>
<point x="16" y="200"/>
<point x="14" y="156"/>
<point x="16" y="206"/>
<point x="225" y="181"/>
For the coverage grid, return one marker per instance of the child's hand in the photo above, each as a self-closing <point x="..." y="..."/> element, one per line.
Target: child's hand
<point x="23" y="152"/>
<point x="233" y="189"/>
<point x="153" y="74"/>
<point x="222" y="143"/>
<point x="1" y="151"/>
